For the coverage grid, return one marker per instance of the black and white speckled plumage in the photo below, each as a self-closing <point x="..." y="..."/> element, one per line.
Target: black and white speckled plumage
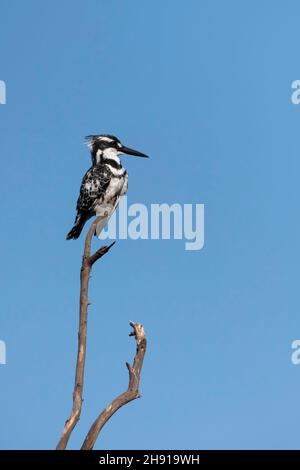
<point x="103" y="184"/>
<point x="93" y="187"/>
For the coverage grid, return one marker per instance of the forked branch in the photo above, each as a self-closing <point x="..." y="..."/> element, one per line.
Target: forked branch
<point x="87" y="262"/>
<point x="131" y="393"/>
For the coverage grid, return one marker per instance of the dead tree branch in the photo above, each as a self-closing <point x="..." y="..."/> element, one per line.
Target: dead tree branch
<point x="131" y="393"/>
<point x="87" y="262"/>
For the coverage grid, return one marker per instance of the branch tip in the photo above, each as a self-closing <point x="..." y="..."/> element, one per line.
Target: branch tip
<point x="130" y="394"/>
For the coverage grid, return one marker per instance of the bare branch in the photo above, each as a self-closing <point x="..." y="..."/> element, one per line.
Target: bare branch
<point x="131" y="393"/>
<point x="87" y="262"/>
<point x="99" y="253"/>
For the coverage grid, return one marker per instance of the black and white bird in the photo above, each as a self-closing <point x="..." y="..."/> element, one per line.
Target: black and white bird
<point x="103" y="184"/>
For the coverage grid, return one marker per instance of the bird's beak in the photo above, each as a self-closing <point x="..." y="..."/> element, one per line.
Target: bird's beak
<point x="132" y="152"/>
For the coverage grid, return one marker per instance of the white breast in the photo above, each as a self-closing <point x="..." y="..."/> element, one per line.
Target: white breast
<point x="117" y="187"/>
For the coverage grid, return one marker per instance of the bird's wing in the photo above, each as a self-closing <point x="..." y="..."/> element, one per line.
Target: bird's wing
<point x="93" y="186"/>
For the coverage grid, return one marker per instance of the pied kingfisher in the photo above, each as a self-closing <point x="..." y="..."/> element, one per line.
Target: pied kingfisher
<point x="103" y="184"/>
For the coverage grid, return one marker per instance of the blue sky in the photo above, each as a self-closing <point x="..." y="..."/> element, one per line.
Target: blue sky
<point x="203" y="87"/>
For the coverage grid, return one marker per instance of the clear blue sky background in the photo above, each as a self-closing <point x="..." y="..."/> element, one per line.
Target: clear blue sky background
<point x="204" y="88"/>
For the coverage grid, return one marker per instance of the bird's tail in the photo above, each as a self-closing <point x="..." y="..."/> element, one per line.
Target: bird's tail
<point x="77" y="227"/>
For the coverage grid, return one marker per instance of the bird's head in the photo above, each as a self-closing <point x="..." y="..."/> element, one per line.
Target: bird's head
<point x="108" y="147"/>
